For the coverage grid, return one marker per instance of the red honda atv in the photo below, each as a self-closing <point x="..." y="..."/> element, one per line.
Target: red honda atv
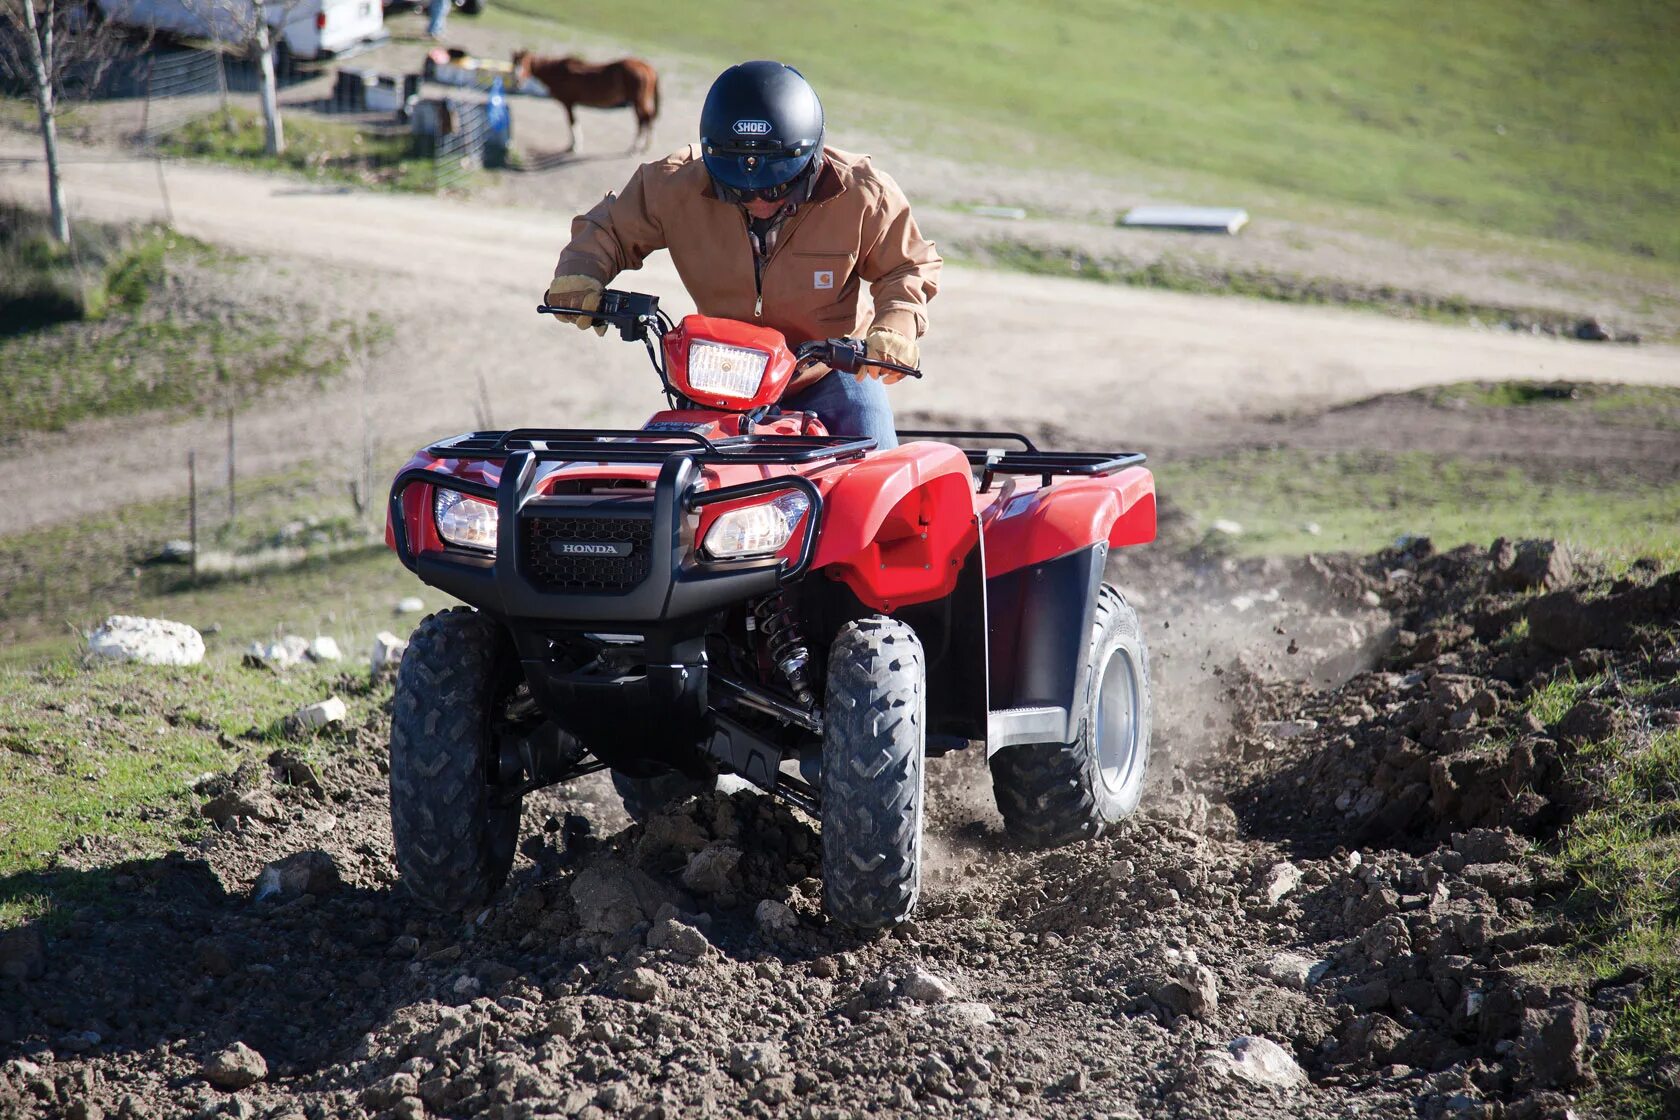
<point x="731" y="589"/>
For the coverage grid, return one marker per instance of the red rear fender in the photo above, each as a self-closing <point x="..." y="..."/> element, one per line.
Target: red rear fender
<point x="1042" y="524"/>
<point x="898" y="526"/>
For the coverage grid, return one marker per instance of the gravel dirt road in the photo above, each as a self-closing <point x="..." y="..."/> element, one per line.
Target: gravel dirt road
<point x="457" y="282"/>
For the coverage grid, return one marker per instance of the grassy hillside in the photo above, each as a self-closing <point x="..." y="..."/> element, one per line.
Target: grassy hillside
<point x="1552" y="120"/>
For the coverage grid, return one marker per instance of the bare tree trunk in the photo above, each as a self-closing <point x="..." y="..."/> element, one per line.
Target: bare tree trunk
<point x="276" y="137"/>
<point x="40" y="59"/>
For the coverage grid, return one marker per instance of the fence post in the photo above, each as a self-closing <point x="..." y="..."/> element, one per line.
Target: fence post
<point x="232" y="507"/>
<point x="192" y="508"/>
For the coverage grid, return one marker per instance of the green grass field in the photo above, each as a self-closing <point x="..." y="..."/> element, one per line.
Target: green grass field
<point x="1364" y="501"/>
<point x="1553" y="121"/>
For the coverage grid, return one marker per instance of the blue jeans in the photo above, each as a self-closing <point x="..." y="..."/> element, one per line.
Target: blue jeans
<point x="849" y="407"/>
<point x="438" y="12"/>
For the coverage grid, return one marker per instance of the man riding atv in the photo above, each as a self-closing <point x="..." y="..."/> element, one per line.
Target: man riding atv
<point x="766" y="225"/>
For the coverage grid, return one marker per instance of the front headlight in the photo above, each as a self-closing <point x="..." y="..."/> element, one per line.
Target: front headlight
<point x="465" y="521"/>
<point x="728" y="371"/>
<point x="758" y="530"/>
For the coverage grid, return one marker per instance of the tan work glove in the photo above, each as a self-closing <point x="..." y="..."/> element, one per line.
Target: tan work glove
<point x="582" y="292"/>
<point x="884" y="344"/>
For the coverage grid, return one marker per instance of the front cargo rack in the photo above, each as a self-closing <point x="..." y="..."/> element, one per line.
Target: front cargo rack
<point x="1029" y="459"/>
<point x="642" y="445"/>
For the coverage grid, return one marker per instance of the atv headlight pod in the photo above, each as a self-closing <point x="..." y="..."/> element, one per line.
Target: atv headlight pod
<point x="728" y="371"/>
<point x="763" y="529"/>
<point x="465" y="521"/>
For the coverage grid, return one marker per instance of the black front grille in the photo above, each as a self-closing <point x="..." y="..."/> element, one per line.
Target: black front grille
<point x="551" y="568"/>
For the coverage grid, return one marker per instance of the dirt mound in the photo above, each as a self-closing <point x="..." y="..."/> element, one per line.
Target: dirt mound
<point x="1328" y="904"/>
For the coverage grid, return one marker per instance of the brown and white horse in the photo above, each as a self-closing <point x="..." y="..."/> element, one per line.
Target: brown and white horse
<point x="627" y="83"/>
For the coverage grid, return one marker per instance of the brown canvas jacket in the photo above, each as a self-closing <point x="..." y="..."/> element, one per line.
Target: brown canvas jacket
<point x="855" y="228"/>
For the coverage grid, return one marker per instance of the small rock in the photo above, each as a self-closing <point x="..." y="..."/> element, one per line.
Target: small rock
<point x="322" y="714"/>
<point x="1288" y="728"/>
<point x="610" y="897"/>
<point x="1553" y="1047"/>
<point x="235" y="1068"/>
<point x="1282" y="878"/>
<point x="754" y="1061"/>
<point x="678" y="937"/>
<point x="255" y="804"/>
<point x="410" y="604"/>
<point x="324" y="648"/>
<point x="1529" y="565"/>
<point x="279" y="655"/>
<point x="388" y="650"/>
<point x="712" y="870"/>
<point x="1294" y="971"/>
<point x="386" y="1093"/>
<point x="1260" y="1061"/>
<point x="965" y="1015"/>
<point x="467" y="987"/>
<point x="643" y="985"/>
<point x="925" y="987"/>
<point x="311" y="872"/>
<point x="1227" y="528"/>
<point x="1193" y="990"/>
<point x="148" y="641"/>
<point x="177" y="551"/>
<point x="295" y="771"/>
<point x="775" y="918"/>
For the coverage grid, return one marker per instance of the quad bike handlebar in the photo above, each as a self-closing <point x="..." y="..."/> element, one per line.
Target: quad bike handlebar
<point x="637" y="318"/>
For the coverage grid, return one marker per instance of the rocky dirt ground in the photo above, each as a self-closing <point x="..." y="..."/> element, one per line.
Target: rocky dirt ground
<point x="1327" y="907"/>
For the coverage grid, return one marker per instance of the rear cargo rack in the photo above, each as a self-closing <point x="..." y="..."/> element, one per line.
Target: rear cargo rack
<point x="1047" y="465"/>
<point x="640" y="445"/>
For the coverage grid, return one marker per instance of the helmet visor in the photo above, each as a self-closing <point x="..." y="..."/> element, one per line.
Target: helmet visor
<point x="744" y="170"/>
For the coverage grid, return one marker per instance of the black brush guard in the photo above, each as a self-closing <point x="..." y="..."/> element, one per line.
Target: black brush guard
<point x="677" y="583"/>
<point x="659" y="714"/>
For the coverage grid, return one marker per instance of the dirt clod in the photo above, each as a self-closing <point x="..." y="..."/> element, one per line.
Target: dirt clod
<point x="236" y="1067"/>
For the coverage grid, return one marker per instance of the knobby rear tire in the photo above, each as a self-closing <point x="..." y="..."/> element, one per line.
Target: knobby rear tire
<point x="1055" y="793"/>
<point x="454" y="844"/>
<point x="874" y="740"/>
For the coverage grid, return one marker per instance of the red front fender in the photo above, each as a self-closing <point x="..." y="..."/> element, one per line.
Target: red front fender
<point x="898" y="526"/>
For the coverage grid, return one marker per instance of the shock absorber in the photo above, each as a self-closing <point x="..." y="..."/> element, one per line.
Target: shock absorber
<point x="774" y="617"/>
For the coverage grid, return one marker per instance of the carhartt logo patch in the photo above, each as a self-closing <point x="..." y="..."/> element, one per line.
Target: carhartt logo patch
<point x="822" y="278"/>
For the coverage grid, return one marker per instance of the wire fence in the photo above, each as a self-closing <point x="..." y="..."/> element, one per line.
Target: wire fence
<point x="457" y="153"/>
<point x="176" y="89"/>
<point x="149" y="95"/>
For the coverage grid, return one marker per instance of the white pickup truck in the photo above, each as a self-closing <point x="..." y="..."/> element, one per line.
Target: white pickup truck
<point x="307" y="29"/>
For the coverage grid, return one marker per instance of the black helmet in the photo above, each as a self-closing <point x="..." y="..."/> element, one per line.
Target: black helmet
<point x="761" y="131"/>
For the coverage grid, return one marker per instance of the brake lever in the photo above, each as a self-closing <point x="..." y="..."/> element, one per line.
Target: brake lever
<point x="907" y="371"/>
<point x="545" y="309"/>
<point x="847" y="355"/>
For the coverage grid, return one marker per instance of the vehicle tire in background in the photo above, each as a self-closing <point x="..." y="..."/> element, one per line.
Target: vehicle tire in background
<point x="454" y="842"/>
<point x="1055" y="793"/>
<point x="469" y="7"/>
<point x="874" y="740"/>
